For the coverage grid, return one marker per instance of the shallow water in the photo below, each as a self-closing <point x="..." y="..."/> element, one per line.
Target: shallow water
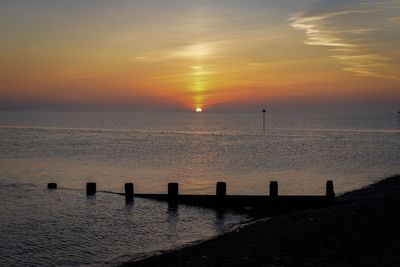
<point x="64" y="227"/>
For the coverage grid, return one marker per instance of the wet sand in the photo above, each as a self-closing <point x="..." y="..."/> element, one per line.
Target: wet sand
<point x="362" y="229"/>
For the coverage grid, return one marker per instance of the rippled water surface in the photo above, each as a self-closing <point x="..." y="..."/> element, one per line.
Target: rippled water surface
<point x="65" y="228"/>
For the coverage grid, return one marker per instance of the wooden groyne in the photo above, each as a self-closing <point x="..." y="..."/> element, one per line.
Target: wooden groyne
<point x="272" y="202"/>
<point x="221" y="199"/>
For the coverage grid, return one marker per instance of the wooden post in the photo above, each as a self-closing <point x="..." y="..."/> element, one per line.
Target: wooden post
<point x="90" y="189"/>
<point x="273" y="189"/>
<point x="330" y="192"/>
<point x="51" y="186"/>
<point x="129" y="191"/>
<point x="221" y="191"/>
<point x="173" y="192"/>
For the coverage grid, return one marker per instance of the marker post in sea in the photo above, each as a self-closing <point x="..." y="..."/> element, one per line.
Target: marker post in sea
<point x="263" y="111"/>
<point x="398" y="119"/>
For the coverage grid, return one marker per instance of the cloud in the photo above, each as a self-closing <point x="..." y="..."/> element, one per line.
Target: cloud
<point x="193" y="51"/>
<point x="351" y="32"/>
<point x="78" y="77"/>
<point x="395" y="19"/>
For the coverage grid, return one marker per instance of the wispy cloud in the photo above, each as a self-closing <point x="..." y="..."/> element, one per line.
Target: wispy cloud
<point x="350" y="32"/>
<point x="78" y="77"/>
<point x="395" y="19"/>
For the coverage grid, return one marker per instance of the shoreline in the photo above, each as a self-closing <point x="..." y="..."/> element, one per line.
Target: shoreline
<point x="360" y="229"/>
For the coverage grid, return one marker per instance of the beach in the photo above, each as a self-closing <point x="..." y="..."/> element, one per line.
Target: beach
<point x="361" y="229"/>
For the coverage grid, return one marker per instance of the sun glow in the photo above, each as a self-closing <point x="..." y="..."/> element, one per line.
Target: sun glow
<point x="199" y="110"/>
<point x="202" y="54"/>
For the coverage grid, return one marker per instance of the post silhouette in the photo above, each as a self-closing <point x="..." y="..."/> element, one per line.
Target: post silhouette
<point x="398" y="119"/>
<point x="173" y="192"/>
<point x="129" y="190"/>
<point x="273" y="189"/>
<point x="90" y="189"/>
<point x="51" y="186"/>
<point x="263" y="111"/>
<point x="330" y="192"/>
<point x="221" y="192"/>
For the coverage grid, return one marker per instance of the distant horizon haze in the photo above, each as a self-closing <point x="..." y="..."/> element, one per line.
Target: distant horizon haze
<point x="362" y="106"/>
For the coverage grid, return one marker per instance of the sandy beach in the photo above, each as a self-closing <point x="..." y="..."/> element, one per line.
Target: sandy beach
<point x="362" y="229"/>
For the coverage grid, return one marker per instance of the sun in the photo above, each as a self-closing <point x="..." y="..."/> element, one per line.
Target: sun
<point x="198" y="110"/>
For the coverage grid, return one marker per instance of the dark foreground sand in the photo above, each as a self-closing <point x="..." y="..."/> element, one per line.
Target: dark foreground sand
<point x="363" y="229"/>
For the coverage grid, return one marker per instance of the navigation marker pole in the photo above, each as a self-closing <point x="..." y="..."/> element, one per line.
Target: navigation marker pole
<point x="398" y="119"/>
<point x="263" y="111"/>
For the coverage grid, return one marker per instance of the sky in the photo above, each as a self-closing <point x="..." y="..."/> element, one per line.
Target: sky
<point x="184" y="54"/>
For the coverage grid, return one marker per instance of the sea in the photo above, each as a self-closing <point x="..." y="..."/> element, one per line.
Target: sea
<point x="64" y="227"/>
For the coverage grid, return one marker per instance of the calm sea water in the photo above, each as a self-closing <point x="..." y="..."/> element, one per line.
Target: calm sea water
<point x="65" y="228"/>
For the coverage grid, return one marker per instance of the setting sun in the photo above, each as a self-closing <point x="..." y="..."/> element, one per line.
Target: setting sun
<point x="98" y="96"/>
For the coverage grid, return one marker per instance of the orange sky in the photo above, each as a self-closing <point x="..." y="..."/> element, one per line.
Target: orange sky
<point x="190" y="54"/>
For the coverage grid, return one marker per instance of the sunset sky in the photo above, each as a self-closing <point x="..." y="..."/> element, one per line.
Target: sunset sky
<point x="185" y="54"/>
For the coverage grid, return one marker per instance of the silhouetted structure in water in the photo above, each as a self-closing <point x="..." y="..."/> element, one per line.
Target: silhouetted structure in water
<point x="263" y="111"/>
<point x="398" y="119"/>
<point x="330" y="193"/>
<point x="273" y="189"/>
<point x="52" y="186"/>
<point x="90" y="189"/>
<point x="173" y="192"/>
<point x="129" y="192"/>
<point x="273" y="203"/>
